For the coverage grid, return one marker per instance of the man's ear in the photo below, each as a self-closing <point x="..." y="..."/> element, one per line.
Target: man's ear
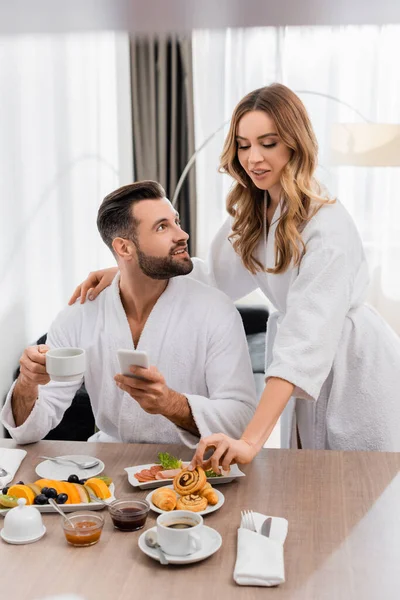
<point x="123" y="248"/>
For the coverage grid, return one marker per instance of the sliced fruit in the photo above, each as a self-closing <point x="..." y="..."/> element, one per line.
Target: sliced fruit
<point x="83" y="492"/>
<point x="54" y="483"/>
<point x="44" y="483"/>
<point x="107" y="480"/>
<point x="98" y="487"/>
<point x="73" y="494"/>
<point x="36" y="489"/>
<point x="7" y="501"/>
<point x="22" y="491"/>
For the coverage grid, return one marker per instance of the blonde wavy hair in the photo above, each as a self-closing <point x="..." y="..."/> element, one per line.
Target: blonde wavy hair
<point x="301" y="192"/>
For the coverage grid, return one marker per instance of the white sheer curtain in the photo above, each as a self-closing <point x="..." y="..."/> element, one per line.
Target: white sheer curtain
<point x="64" y="144"/>
<point x="358" y="65"/>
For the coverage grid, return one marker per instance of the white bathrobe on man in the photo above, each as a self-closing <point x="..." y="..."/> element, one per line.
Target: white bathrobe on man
<point x="195" y="338"/>
<point x="342" y="357"/>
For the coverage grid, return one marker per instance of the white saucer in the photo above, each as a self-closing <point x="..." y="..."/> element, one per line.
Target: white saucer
<point x="48" y="469"/>
<point x="211" y="542"/>
<point x="26" y="541"/>
<point x="210" y="508"/>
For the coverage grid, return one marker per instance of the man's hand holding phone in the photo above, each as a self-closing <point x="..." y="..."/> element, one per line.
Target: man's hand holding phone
<point x="145" y="384"/>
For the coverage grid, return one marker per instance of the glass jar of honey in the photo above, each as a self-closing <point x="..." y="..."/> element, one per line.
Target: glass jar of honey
<point x="86" y="529"/>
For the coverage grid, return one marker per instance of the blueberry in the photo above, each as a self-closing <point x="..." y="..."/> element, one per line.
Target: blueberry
<point x="73" y="479"/>
<point x="61" y="498"/>
<point x="82" y="481"/>
<point x="44" y="490"/>
<point x="5" y="490"/>
<point x="19" y="483"/>
<point x="50" y="493"/>
<point x="40" y="499"/>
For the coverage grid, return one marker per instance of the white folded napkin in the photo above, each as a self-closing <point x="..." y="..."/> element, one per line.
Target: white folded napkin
<point x="10" y="459"/>
<point x="259" y="559"/>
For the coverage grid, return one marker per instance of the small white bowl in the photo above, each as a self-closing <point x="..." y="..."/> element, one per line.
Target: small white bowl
<point x="23" y="524"/>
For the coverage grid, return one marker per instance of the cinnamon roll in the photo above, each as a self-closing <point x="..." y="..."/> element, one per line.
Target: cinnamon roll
<point x="192" y="502"/>
<point x="190" y="482"/>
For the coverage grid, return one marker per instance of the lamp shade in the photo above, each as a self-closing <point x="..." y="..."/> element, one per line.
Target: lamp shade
<point x="365" y="144"/>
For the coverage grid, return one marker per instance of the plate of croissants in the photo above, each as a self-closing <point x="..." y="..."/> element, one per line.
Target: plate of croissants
<point x="189" y="491"/>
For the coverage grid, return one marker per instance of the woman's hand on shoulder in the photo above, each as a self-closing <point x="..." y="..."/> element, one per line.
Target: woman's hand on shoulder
<point x="95" y="283"/>
<point x="227" y="451"/>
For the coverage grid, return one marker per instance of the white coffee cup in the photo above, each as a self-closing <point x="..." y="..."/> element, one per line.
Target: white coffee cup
<point x="65" y="364"/>
<point x="183" y="540"/>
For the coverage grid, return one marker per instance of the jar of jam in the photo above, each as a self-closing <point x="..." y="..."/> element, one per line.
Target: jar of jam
<point x="129" y="515"/>
<point x="86" y="529"/>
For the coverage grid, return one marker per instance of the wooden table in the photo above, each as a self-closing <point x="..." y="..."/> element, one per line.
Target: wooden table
<point x="343" y="542"/>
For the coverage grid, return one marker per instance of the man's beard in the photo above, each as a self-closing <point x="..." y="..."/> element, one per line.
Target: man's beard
<point x="158" y="267"/>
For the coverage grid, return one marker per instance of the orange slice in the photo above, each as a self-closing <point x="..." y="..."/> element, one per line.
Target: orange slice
<point x="22" y="491"/>
<point x="98" y="487"/>
<point x="44" y="483"/>
<point x="73" y="494"/>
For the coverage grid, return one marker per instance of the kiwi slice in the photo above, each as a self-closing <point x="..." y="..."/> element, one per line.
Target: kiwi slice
<point x="8" y="501"/>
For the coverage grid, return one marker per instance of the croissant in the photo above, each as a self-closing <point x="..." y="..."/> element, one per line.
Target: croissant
<point x="164" y="498"/>
<point x="190" y="482"/>
<point x="210" y="494"/>
<point x="192" y="502"/>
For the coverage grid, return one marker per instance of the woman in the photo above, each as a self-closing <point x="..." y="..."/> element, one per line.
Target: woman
<point x="333" y="357"/>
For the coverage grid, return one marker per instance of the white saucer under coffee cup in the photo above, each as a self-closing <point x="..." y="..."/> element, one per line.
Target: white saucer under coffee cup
<point x="179" y="532"/>
<point x="65" y="364"/>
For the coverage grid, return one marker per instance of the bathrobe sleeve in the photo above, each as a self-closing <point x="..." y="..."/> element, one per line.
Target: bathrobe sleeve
<point x="53" y="399"/>
<point x="232" y="399"/>
<point x="223" y="268"/>
<point x="318" y="301"/>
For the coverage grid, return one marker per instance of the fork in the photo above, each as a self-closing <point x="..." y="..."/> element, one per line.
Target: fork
<point x="248" y="520"/>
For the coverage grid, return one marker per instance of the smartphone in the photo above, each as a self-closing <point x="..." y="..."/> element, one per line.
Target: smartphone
<point x="128" y="358"/>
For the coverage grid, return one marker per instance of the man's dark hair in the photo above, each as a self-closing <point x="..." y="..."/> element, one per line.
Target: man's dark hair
<point x="115" y="219"/>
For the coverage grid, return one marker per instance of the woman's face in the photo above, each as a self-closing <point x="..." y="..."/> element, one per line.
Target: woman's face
<point x="261" y="152"/>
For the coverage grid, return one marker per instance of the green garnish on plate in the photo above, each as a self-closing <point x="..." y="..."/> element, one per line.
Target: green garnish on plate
<point x="211" y="473"/>
<point x="167" y="461"/>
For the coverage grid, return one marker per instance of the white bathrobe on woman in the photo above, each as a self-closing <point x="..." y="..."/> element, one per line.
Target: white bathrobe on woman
<point x="193" y="335"/>
<point x="342" y="357"/>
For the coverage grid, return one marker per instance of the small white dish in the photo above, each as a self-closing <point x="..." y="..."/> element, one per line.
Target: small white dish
<point x="211" y="543"/>
<point x="48" y="469"/>
<point x="209" y="509"/>
<point x="234" y="473"/>
<point x="25" y="541"/>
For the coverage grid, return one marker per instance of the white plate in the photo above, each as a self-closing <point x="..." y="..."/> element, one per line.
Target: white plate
<point x="48" y="508"/>
<point x="51" y="470"/>
<point x="209" y="509"/>
<point x="211" y="542"/>
<point x="148" y="485"/>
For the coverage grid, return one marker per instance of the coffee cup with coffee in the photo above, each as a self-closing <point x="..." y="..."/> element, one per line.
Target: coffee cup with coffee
<point x="179" y="532"/>
<point x="65" y="364"/>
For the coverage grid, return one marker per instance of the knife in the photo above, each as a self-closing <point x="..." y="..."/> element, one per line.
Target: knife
<point x="266" y="527"/>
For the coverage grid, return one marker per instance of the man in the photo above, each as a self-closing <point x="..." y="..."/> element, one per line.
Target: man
<point x="200" y="381"/>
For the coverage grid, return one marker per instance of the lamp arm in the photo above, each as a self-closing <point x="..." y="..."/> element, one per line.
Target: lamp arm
<point x="192" y="160"/>
<point x="364" y="118"/>
<point x="210" y="137"/>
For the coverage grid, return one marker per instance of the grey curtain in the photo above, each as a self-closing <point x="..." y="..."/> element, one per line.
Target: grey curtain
<point x="163" y="118"/>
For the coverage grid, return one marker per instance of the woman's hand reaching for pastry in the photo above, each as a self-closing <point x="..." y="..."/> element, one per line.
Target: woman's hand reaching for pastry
<point x="95" y="283"/>
<point x="227" y="451"/>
